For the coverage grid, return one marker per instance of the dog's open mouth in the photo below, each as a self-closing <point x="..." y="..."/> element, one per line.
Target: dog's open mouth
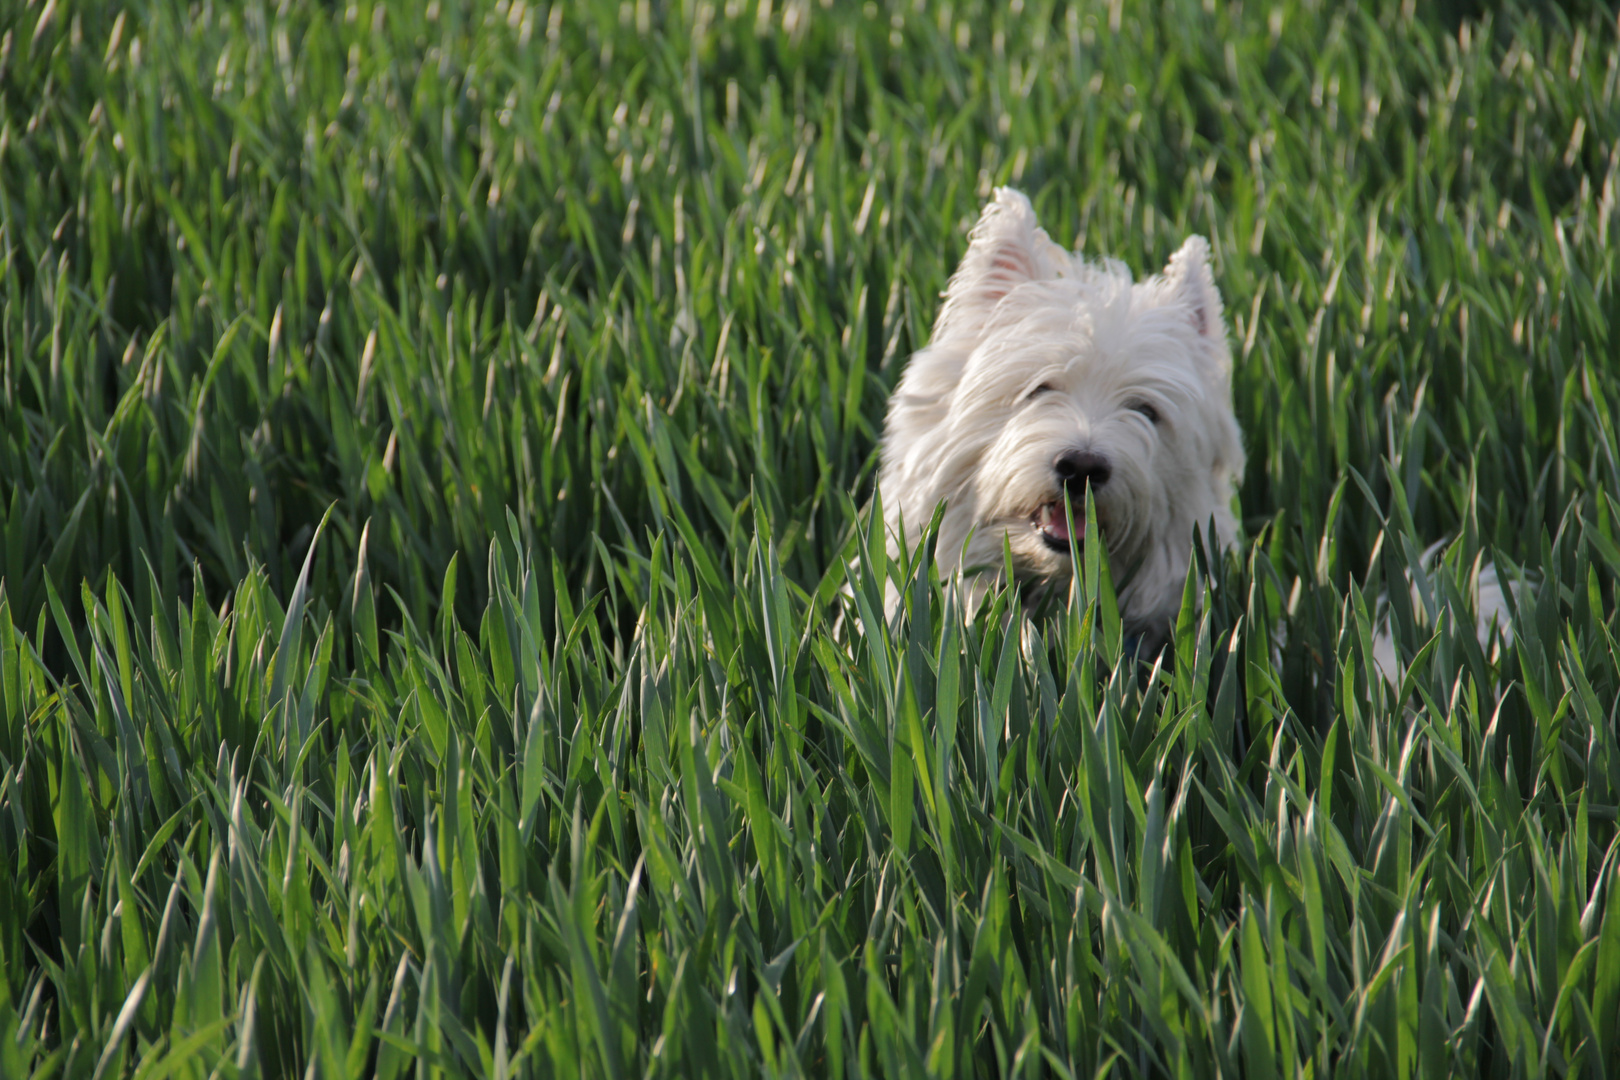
<point x="1053" y="527"/>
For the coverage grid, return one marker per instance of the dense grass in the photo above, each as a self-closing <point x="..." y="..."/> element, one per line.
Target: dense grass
<point x="431" y="451"/>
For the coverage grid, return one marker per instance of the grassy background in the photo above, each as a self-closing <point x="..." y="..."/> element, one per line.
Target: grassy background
<point x="430" y="450"/>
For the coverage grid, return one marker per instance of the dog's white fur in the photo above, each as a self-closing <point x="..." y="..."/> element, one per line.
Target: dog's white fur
<point x="1038" y="353"/>
<point x="1491" y="610"/>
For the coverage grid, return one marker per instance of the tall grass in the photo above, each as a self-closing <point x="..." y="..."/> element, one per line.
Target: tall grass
<point x="431" y="459"/>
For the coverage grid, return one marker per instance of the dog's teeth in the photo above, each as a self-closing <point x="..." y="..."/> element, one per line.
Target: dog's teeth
<point x="1052" y="522"/>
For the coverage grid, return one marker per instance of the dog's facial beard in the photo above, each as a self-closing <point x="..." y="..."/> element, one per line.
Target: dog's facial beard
<point x="1009" y="503"/>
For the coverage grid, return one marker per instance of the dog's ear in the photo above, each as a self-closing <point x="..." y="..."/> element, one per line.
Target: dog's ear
<point x="1006" y="249"/>
<point x="1192" y="285"/>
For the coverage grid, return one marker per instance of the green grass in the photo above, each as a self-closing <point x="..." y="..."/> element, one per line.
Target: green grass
<point x="431" y="452"/>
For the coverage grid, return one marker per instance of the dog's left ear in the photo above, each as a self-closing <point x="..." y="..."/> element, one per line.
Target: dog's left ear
<point x="1193" y="287"/>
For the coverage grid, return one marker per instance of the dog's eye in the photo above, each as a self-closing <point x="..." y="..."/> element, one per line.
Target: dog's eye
<point x="1146" y="409"/>
<point x="1044" y="388"/>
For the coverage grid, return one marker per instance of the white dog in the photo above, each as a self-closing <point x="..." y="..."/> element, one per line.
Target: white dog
<point x="1047" y="374"/>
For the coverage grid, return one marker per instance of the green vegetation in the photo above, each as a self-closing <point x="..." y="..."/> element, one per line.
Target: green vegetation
<point x="430" y="456"/>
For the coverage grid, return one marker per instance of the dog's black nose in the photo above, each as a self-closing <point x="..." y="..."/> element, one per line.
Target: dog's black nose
<point x="1077" y="468"/>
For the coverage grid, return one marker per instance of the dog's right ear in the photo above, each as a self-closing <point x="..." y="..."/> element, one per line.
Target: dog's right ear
<point x="1005" y="250"/>
<point x="1193" y="286"/>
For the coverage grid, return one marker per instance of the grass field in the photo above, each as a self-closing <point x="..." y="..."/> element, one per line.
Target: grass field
<point x="432" y="447"/>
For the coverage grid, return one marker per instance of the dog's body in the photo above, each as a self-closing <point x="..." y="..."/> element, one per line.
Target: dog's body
<point x="1047" y="374"/>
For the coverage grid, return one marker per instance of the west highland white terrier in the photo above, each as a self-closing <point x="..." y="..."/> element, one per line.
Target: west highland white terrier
<point x="1046" y="374"/>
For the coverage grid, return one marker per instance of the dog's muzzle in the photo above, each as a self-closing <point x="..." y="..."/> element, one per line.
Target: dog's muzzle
<point x="1074" y="470"/>
<point x="1077" y="468"/>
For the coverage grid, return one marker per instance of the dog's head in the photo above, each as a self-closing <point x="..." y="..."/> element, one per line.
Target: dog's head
<point x="1047" y="375"/>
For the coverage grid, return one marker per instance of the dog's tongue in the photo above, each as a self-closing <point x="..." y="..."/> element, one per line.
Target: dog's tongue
<point x="1055" y="524"/>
